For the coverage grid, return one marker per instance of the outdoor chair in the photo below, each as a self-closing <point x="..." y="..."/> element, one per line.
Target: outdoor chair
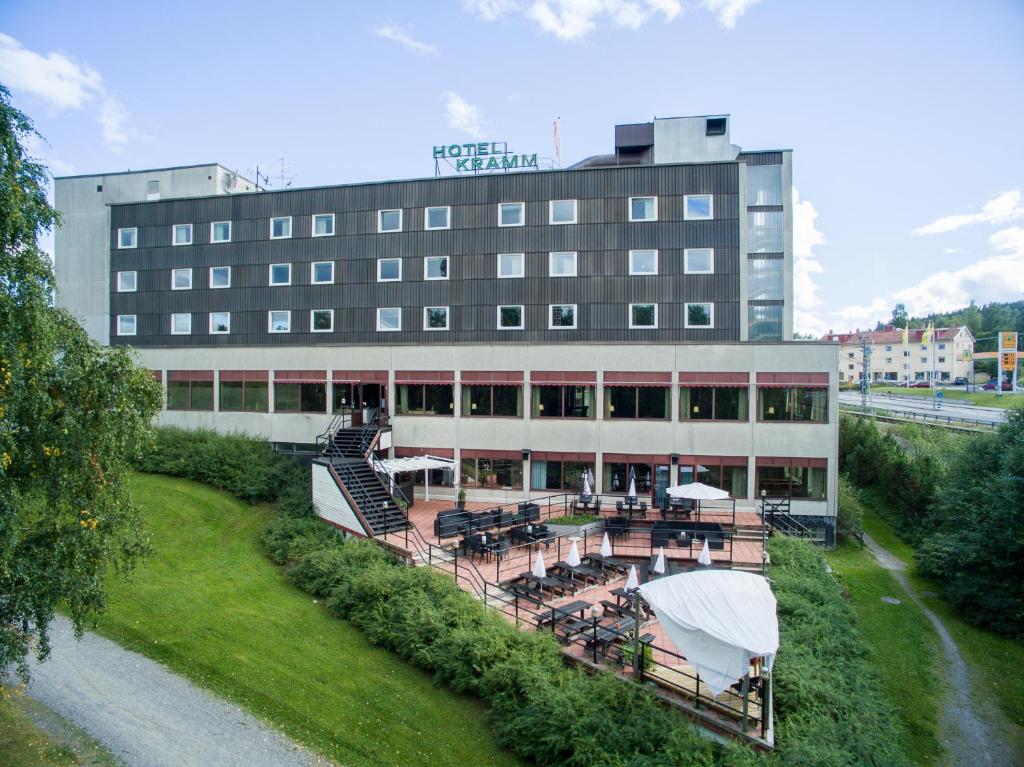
<point x="616" y="526"/>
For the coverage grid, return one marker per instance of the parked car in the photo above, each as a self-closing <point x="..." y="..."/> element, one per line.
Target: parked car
<point x="991" y="386"/>
<point x="961" y="381"/>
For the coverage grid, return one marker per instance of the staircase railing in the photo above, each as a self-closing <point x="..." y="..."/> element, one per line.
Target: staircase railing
<point x="775" y="515"/>
<point x="325" y="442"/>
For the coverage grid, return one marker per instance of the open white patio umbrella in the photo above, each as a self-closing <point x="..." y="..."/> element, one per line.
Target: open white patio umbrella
<point x="538" y="566"/>
<point x="632" y="582"/>
<point x="705" y="555"/>
<point x="573" y="560"/>
<point x="697" y="491"/>
<point x="606" y="546"/>
<point x="659" y="563"/>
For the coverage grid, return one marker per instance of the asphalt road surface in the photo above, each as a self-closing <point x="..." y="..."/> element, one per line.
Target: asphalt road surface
<point x="149" y="717"/>
<point x="924" y="406"/>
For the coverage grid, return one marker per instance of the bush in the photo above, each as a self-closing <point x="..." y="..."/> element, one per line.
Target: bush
<point x="851" y="510"/>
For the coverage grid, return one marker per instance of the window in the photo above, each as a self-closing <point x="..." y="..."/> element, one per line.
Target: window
<point x="942" y="360"/>
<point x="243" y="395"/>
<point x="181" y="324"/>
<point x="127" y="282"/>
<point x="698" y="207"/>
<point x="220" y="323"/>
<point x="562" y="401"/>
<point x="190" y="395"/>
<point x="637" y="402"/>
<point x="127" y="238"/>
<point x="765" y="279"/>
<point x="126" y="324"/>
<point x="713" y="403"/>
<point x="152" y="190"/>
<point x="321" y="272"/>
<point x="511" y="213"/>
<point x="281" y="228"/>
<point x="616" y="477"/>
<point x="559" y="475"/>
<point x="437" y="218"/>
<point x="764" y="185"/>
<point x="280" y="274"/>
<point x="300" y="397"/>
<point x="492" y="400"/>
<point x="510" y="318"/>
<point x="699" y="261"/>
<point x="321" y="320"/>
<point x="562" y="212"/>
<point x="764" y="231"/>
<point x="764" y="323"/>
<point x="435" y="318"/>
<point x="504" y="473"/>
<point x="850" y="355"/>
<point x="323" y="225"/>
<point x="728" y="474"/>
<point x="643" y="262"/>
<point x="389" y="269"/>
<point x="795" y="481"/>
<point x="924" y="347"/>
<point x="888" y="360"/>
<point x="942" y="346"/>
<point x="888" y="348"/>
<point x="562" y="317"/>
<point x="181" y="279"/>
<point x="511" y="265"/>
<point x="924" y="360"/>
<point x="715" y="126"/>
<point x="220" y="276"/>
<point x="425" y="399"/>
<point x="435" y="268"/>
<point x="389" y="220"/>
<point x="279" y="322"/>
<point x="181" y="234"/>
<point x="700" y="315"/>
<point x="792" y="403"/>
<point x="643" y="316"/>
<point x="906" y="352"/>
<point x="562" y="264"/>
<point x="389" y="319"/>
<point x="643" y="208"/>
<point x="220" y="231"/>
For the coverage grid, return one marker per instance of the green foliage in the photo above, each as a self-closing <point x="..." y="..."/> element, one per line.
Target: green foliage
<point x="851" y="510"/>
<point x="71" y="412"/>
<point x="574" y="519"/>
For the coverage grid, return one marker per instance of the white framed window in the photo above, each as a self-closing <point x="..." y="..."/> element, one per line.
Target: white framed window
<point x="279" y="321"/>
<point x="126" y="324"/>
<point x="511" y="265"/>
<point x="699" y="261"/>
<point x="643" y="262"/>
<point x="435" y="268"/>
<point x="181" y="234"/>
<point x="643" y="316"/>
<point x="389" y="220"/>
<point x="280" y="227"/>
<point x="321" y="320"/>
<point x="127" y="238"/>
<point x="561" y="316"/>
<point x="435" y="317"/>
<point x="511" y="317"/>
<point x="323" y="225"/>
<point x="643" y="208"/>
<point x="220" y="276"/>
<point x="700" y="315"/>
<point x="389" y="318"/>
<point x="888" y="348"/>
<point x="220" y="323"/>
<point x="562" y="264"/>
<point x="698" y="207"/>
<point x="181" y="279"/>
<point x="127" y="282"/>
<point x="321" y="273"/>
<point x="181" y="324"/>
<point x="924" y="360"/>
<point x="220" y="231"/>
<point x="152" y="190"/>
<point x="511" y="213"/>
<point x="280" y="274"/>
<point x="562" y="212"/>
<point x="439" y="217"/>
<point x="389" y="270"/>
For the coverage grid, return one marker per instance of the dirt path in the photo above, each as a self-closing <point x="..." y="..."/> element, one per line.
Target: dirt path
<point x="970" y="740"/>
<point x="149" y="717"/>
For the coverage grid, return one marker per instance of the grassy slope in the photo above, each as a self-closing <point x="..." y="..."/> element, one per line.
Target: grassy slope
<point x="24" y="743"/>
<point x="899" y="636"/>
<point x="210" y="606"/>
<point x="993" y="659"/>
<point x="982" y="398"/>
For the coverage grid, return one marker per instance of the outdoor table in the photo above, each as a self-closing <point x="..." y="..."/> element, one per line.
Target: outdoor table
<point x="620" y="594"/>
<point x="565" y="611"/>
<point x="585" y="573"/>
<point x="549" y="583"/>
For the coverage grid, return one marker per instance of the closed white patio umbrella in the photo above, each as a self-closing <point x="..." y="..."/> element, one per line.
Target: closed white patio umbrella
<point x="538" y="566"/>
<point x="573" y="560"/>
<point x="659" y="563"/>
<point x="631" y="493"/>
<point x="586" y="486"/>
<point x="606" y="546"/>
<point x="705" y="555"/>
<point x="632" y="582"/>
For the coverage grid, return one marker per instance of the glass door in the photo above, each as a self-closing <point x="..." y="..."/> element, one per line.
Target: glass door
<point x="662" y="478"/>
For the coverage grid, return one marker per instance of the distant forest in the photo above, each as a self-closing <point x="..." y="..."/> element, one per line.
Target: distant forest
<point x="984" y="322"/>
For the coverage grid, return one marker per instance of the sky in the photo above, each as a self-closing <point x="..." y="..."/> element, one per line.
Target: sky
<point x="905" y="118"/>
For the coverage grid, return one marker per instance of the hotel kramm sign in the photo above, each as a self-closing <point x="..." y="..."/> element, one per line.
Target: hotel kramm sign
<point x="483" y="156"/>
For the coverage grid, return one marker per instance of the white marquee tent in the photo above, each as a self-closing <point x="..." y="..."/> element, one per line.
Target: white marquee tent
<point x="422" y="463"/>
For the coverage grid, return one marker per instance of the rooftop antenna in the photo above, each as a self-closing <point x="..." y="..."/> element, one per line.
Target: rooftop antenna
<point x="283" y="180"/>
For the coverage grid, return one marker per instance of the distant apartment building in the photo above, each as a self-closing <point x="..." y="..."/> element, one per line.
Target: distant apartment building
<point x="944" y="358"/>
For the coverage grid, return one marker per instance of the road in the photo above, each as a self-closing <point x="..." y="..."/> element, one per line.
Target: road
<point x="149" y="717"/>
<point x="924" y="406"/>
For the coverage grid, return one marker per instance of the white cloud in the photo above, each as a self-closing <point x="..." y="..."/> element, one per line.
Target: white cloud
<point x="806" y="237"/>
<point x="398" y="35"/>
<point x="1001" y="209"/>
<point x="490" y="10"/>
<point x="863" y="316"/>
<point x="38" y="149"/>
<point x="62" y="84"/>
<point x="728" y="11"/>
<point x="462" y="115"/>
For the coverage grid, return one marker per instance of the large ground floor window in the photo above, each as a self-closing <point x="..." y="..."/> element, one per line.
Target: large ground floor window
<point x="559" y="475"/>
<point x="492" y="400"/>
<point x="562" y="401"/>
<point x="425" y="399"/>
<point x="720" y="403"/>
<point x="247" y="396"/>
<point x="616" y="478"/>
<point x="792" y="403"/>
<point x="189" y="395"/>
<point x="300" y="397"/>
<point x="808" y="482"/>
<point x="506" y="473"/>
<point x="637" y="402"/>
<point x="730" y="476"/>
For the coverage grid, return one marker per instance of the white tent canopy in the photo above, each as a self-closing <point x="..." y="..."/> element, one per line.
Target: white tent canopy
<point x="719" y="619"/>
<point x="422" y="463"/>
<point x="697" y="491"/>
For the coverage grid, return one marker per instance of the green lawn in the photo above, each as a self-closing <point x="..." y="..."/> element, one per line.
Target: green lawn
<point x="901" y="640"/>
<point x="210" y="606"/>
<point x="983" y="398"/>
<point x="25" y="743"/>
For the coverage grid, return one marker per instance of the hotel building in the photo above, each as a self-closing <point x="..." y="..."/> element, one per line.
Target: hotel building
<point x="944" y="358"/>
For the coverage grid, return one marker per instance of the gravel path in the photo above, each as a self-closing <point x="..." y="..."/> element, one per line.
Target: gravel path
<point x="149" y="717"/>
<point x="970" y="741"/>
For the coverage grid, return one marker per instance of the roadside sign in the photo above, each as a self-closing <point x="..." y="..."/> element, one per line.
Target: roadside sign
<point x="1008" y="341"/>
<point x="938" y="400"/>
<point x="1008" y="361"/>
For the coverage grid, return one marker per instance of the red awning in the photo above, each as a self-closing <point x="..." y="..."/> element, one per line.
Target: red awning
<point x="244" y="375"/>
<point x="424" y="376"/>
<point x="813" y="463"/>
<point x="815" y="380"/>
<point x="300" y="376"/>
<point x="415" y="452"/>
<point x="635" y="458"/>
<point x="714" y="379"/>
<point x="549" y="455"/>
<point x="512" y="454"/>
<point x="637" y="378"/>
<point x="360" y="376"/>
<point x="510" y="377"/>
<point x="563" y="377"/>
<point x="713" y="460"/>
<point x="189" y="375"/>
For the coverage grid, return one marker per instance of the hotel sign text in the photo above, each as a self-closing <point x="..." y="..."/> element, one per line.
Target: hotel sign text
<point x="483" y="156"/>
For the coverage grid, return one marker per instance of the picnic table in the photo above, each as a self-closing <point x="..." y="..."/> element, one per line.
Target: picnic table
<point x="554" y="614"/>
<point x="608" y="563"/>
<point x="590" y="574"/>
<point x="558" y="585"/>
<point x="609" y="633"/>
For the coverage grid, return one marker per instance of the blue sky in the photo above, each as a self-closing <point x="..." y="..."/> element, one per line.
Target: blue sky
<point x="904" y="117"/>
